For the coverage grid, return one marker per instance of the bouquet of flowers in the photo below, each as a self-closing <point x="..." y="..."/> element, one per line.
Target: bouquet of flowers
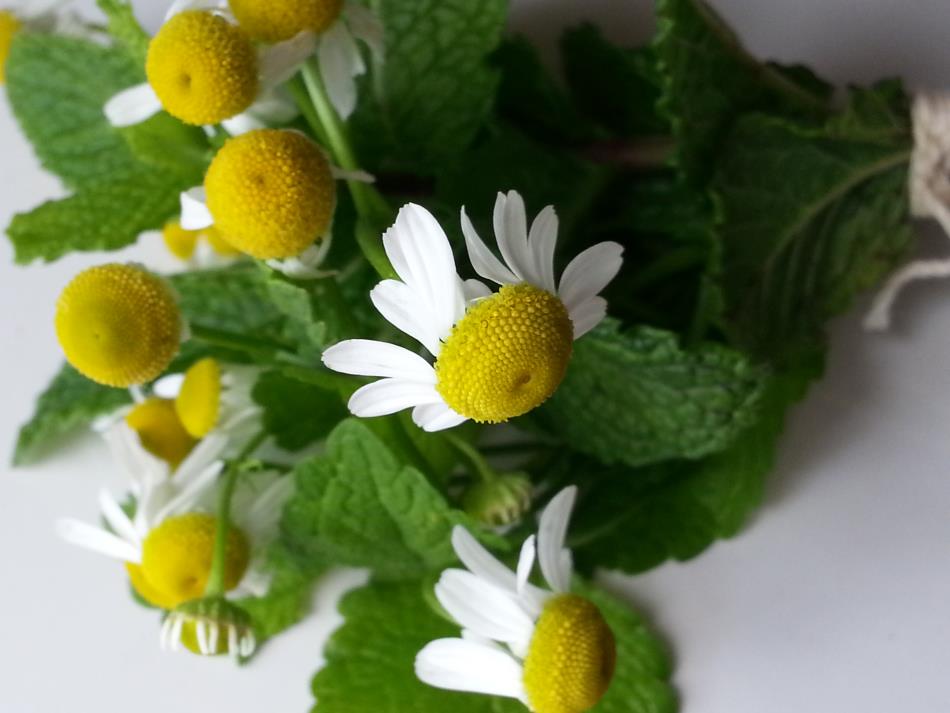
<point x="444" y="316"/>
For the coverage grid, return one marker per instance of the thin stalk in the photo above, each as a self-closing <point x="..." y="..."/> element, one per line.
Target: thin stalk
<point x="473" y="456"/>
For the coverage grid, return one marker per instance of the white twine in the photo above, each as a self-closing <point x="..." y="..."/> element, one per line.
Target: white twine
<point x="929" y="188"/>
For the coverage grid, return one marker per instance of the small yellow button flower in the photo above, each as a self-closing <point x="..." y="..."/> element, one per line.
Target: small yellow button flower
<point x="271" y="192"/>
<point x="199" y="399"/>
<point x="276" y="20"/>
<point x="9" y="26"/>
<point x="119" y="325"/>
<point x="160" y="430"/>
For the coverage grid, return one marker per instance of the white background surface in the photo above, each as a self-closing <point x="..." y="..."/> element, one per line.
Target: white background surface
<point x="835" y="598"/>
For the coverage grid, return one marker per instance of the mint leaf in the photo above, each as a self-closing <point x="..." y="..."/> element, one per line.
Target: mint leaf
<point x="423" y="105"/>
<point x="125" y="28"/>
<point x="167" y="145"/>
<point x="359" y="504"/>
<point x="637" y="397"/>
<point x="70" y="402"/>
<point x="370" y="659"/>
<point x="635" y="519"/>
<point x="296" y="414"/>
<point x="811" y="215"/>
<point x="709" y="80"/>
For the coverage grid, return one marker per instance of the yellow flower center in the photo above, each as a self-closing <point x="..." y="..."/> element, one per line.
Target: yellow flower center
<point x="160" y="430"/>
<point x="199" y="399"/>
<point x="507" y="355"/>
<point x="571" y="658"/>
<point x="203" y="68"/>
<point x="119" y="325"/>
<point x="9" y="26"/>
<point x="271" y="192"/>
<point x="219" y="243"/>
<point x="176" y="560"/>
<point x="180" y="242"/>
<point x="276" y="20"/>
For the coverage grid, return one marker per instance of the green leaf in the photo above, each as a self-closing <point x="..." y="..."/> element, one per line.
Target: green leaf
<point x="296" y="414"/>
<point x="811" y="215"/>
<point x="423" y="106"/>
<point x="359" y="504"/>
<point x="709" y="81"/>
<point x="370" y="659"/>
<point x="637" y="397"/>
<point x="70" y="402"/>
<point x="125" y="28"/>
<point x="634" y="520"/>
<point x="168" y="145"/>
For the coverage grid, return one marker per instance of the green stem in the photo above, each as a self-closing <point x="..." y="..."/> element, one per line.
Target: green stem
<point x="472" y="454"/>
<point x="302" y="99"/>
<point x="215" y="585"/>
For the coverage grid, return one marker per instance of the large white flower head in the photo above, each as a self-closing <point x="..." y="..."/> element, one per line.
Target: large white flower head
<point x="204" y="70"/>
<point x="550" y="649"/>
<point x="498" y="354"/>
<point x="167" y="544"/>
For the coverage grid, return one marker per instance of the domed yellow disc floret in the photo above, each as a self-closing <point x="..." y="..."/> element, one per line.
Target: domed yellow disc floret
<point x="276" y="20"/>
<point x="160" y="430"/>
<point x="203" y="69"/>
<point x="9" y="26"/>
<point x="144" y="589"/>
<point x="271" y="192"/>
<point x="199" y="399"/>
<point x="571" y="658"/>
<point x="118" y="325"/>
<point x="180" y="242"/>
<point x="507" y="355"/>
<point x="177" y="556"/>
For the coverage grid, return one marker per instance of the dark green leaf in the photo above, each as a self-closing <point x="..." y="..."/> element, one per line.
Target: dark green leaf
<point x="296" y="414"/>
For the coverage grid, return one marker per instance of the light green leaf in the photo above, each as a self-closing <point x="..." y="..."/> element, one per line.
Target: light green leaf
<point x="70" y="402"/>
<point x="637" y="397"/>
<point x="370" y="659"/>
<point x="296" y="414"/>
<point x="171" y="147"/>
<point x="423" y="105"/>
<point x="359" y="504"/>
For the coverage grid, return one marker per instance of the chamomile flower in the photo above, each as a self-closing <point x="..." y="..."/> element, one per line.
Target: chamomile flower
<point x="209" y="627"/>
<point x="497" y="355"/>
<point x="35" y="15"/>
<point x="337" y="25"/>
<point x="160" y="431"/>
<point x="167" y="545"/>
<point x="118" y="325"/>
<point x="203" y="69"/>
<point x="272" y="192"/>
<point x="212" y="396"/>
<point x="199" y="248"/>
<point x="550" y="649"/>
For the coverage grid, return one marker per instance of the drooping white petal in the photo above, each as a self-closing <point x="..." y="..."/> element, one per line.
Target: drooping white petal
<point x="115" y="516"/>
<point x="480" y="561"/>
<point x="340" y="64"/>
<point x="243" y="124"/>
<point x="133" y="105"/>
<point x="460" y="665"/>
<point x="542" y="240"/>
<point x="203" y="456"/>
<point x="525" y="563"/>
<point x="589" y="273"/>
<point x="587" y="315"/>
<point x="194" y="209"/>
<point x="365" y="26"/>
<point x="280" y="61"/>
<point x="168" y="386"/>
<point x="408" y="311"/>
<point x="475" y="290"/>
<point x="482" y="258"/>
<point x="436" y="417"/>
<point x="484" y="608"/>
<point x="388" y="396"/>
<point x="261" y="518"/>
<point x="138" y="465"/>
<point x="555" y="560"/>
<point x="366" y="357"/>
<point x="97" y="540"/>
<point x="511" y="232"/>
<point x="185" y="499"/>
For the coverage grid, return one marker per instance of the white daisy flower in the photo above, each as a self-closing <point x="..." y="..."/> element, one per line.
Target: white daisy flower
<point x="209" y="627"/>
<point x="550" y="649"/>
<point x="167" y="544"/>
<point x="497" y="355"/>
<point x="203" y="70"/>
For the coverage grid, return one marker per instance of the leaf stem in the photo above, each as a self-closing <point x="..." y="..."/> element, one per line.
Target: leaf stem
<point x="473" y="455"/>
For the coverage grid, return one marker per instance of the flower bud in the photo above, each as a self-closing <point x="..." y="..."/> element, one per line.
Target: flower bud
<point x="499" y="502"/>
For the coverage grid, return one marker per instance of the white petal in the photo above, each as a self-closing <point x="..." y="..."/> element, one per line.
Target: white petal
<point x="541" y="243"/>
<point x="587" y="315"/>
<point x="484" y="608"/>
<point x="340" y="63"/>
<point x="408" y="311"/>
<point x="133" y="105"/>
<point x="365" y="26"/>
<point x="589" y="273"/>
<point x="436" y="417"/>
<point x="389" y="396"/>
<point x="555" y="560"/>
<point x="189" y="495"/>
<point x="511" y="232"/>
<point x="365" y="357"/>
<point x="475" y="290"/>
<point x="182" y="5"/>
<point x="243" y="124"/>
<point x="480" y="561"/>
<point x="203" y="456"/>
<point x="194" y="209"/>
<point x="97" y="540"/>
<point x="113" y="514"/>
<point x="357" y="175"/>
<point x="168" y="386"/>
<point x="525" y="563"/>
<point x="280" y="61"/>
<point x="482" y="258"/>
<point x="460" y="665"/>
